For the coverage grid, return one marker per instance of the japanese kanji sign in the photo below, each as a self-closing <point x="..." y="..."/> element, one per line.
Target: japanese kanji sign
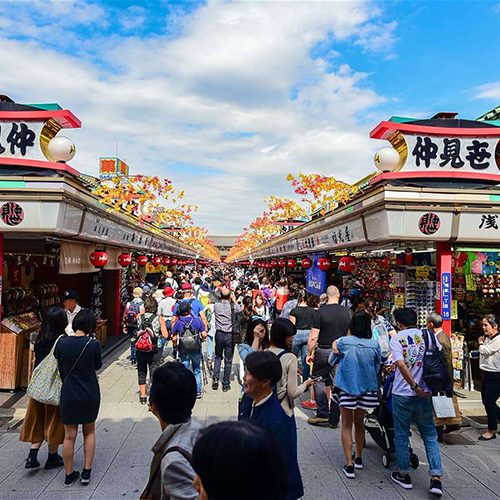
<point x="11" y="213"/>
<point x="451" y="154"/>
<point x="429" y="223"/>
<point x="21" y="140"/>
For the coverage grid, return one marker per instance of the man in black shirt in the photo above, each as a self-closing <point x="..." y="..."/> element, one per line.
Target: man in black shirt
<point x="330" y="322"/>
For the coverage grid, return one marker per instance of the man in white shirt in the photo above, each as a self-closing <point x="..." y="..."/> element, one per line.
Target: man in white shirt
<point x="70" y="304"/>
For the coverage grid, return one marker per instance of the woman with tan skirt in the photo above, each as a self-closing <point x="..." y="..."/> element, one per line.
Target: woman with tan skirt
<point x="42" y="421"/>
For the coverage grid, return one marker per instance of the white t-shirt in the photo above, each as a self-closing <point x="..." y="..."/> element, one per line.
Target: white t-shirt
<point x="166" y="307"/>
<point x="71" y="317"/>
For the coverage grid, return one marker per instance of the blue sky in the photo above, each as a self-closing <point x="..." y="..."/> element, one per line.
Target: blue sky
<point x="226" y="98"/>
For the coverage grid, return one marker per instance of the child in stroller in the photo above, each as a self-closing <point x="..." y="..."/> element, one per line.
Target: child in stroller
<point x="380" y="426"/>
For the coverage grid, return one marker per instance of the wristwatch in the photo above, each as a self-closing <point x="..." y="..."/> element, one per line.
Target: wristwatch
<point x="414" y="387"/>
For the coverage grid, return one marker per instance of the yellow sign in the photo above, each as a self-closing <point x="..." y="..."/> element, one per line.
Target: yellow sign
<point x="470" y="283"/>
<point x="454" y="309"/>
<point x="399" y="300"/>
<point x="422" y="272"/>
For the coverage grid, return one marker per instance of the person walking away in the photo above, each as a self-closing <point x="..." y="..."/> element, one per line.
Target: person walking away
<point x="42" y="421"/>
<point x="79" y="357"/>
<point x="382" y="330"/>
<point x="165" y="314"/>
<point x="281" y="297"/>
<point x="357" y="380"/>
<point x="489" y="362"/>
<point x="434" y="325"/>
<point x="302" y="317"/>
<point x="411" y="401"/>
<point x="189" y="332"/>
<point x="172" y="398"/>
<point x="330" y="323"/>
<point x="171" y="281"/>
<point x="209" y="315"/>
<point x="257" y="450"/>
<point x="132" y="318"/>
<point x="291" y="302"/>
<point x="72" y="308"/>
<point x="203" y="294"/>
<point x="195" y="304"/>
<point x="224" y="312"/>
<point x="263" y="372"/>
<point x="147" y="346"/>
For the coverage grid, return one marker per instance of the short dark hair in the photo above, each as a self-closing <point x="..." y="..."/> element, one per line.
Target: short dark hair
<point x="281" y="329"/>
<point x="85" y="321"/>
<point x="361" y="325"/>
<point x="221" y="465"/>
<point x="264" y="365"/>
<point x="405" y="316"/>
<point x="197" y="281"/>
<point x="53" y="325"/>
<point x="173" y="391"/>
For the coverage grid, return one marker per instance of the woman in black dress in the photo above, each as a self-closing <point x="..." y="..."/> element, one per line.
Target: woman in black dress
<point x="79" y="357"/>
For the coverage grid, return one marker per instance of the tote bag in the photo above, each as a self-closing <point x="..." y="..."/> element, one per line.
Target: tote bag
<point x="46" y="384"/>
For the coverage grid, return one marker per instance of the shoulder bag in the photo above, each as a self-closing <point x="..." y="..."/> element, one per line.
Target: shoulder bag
<point x="236" y="326"/>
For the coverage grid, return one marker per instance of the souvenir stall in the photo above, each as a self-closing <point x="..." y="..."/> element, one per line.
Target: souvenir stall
<point x="56" y="235"/>
<point x="424" y="232"/>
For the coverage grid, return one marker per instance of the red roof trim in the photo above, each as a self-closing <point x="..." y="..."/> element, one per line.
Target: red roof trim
<point x="384" y="129"/>
<point x="63" y="116"/>
<point x="387" y="176"/>
<point x="21" y="162"/>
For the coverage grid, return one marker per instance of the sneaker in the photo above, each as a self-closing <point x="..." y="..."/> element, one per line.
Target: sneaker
<point x="318" y="421"/>
<point x="199" y="395"/>
<point x="143" y="400"/>
<point x="309" y="405"/>
<point x="403" y="480"/>
<point x="436" y="488"/>
<point x="71" y="478"/>
<point x="54" y="461"/>
<point x="349" y="471"/>
<point x="215" y="385"/>
<point x="357" y="461"/>
<point x="32" y="463"/>
<point x="85" y="477"/>
<point x="226" y="388"/>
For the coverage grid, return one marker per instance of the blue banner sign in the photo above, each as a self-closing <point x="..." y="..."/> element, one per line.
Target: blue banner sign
<point x="446" y="295"/>
<point x="315" y="278"/>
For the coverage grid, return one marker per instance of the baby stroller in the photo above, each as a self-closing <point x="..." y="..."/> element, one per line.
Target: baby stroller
<point x="380" y="426"/>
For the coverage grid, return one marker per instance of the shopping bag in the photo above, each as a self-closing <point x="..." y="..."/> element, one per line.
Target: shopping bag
<point x="443" y="406"/>
<point x="455" y="420"/>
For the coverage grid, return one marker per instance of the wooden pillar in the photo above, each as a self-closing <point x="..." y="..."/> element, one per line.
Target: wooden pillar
<point x="443" y="271"/>
<point x="1" y="272"/>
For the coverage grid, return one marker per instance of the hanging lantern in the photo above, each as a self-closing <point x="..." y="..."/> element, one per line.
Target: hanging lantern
<point x="166" y="261"/>
<point x="156" y="261"/>
<point x="269" y="265"/>
<point x="306" y="263"/>
<point x="347" y="264"/>
<point x="291" y="263"/>
<point x="274" y="263"/>
<point x="125" y="259"/>
<point x="173" y="261"/>
<point x="324" y="263"/>
<point x="282" y="263"/>
<point x="142" y="260"/>
<point x="98" y="259"/>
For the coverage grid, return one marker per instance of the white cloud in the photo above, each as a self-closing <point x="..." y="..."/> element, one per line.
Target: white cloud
<point x="216" y="96"/>
<point x="487" y="91"/>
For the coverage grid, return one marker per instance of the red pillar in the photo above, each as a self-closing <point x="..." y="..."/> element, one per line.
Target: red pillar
<point x="117" y="318"/>
<point x="443" y="271"/>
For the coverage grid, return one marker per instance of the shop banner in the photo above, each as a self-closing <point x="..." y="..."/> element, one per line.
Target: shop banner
<point x="75" y="258"/>
<point x="479" y="227"/>
<point x="21" y="140"/>
<point x="315" y="278"/>
<point x="446" y="295"/>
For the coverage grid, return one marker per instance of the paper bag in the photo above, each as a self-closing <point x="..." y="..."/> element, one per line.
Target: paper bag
<point x="455" y="420"/>
<point x="443" y="406"/>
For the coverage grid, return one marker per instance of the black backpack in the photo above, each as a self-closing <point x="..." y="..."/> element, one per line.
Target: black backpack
<point x="436" y="375"/>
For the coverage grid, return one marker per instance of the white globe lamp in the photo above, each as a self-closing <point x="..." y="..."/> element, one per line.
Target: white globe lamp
<point x="61" y="149"/>
<point x="386" y="159"/>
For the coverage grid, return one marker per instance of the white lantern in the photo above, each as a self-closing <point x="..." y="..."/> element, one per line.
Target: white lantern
<point x="387" y="159"/>
<point x="61" y="149"/>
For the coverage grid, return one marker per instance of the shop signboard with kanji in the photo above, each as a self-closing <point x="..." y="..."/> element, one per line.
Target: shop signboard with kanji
<point x="480" y="226"/>
<point x="20" y="139"/>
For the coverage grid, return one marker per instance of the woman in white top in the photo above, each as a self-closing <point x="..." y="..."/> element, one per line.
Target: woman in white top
<point x="288" y="388"/>
<point x="489" y="362"/>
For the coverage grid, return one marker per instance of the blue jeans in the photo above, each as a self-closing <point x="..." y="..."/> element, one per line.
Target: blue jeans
<point x="194" y="359"/>
<point x="299" y="348"/>
<point x="210" y="347"/>
<point x="419" y="410"/>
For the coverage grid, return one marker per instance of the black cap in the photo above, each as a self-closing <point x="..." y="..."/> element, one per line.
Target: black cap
<point x="184" y="308"/>
<point x="70" y="294"/>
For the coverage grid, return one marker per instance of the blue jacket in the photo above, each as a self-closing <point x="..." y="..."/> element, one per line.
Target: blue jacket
<point x="359" y="365"/>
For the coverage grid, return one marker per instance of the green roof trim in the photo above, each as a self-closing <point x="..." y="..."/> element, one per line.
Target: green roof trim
<point x="401" y="119"/>
<point x="47" y="107"/>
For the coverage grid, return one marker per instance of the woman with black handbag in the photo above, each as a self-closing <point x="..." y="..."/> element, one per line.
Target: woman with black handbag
<point x="79" y="357"/>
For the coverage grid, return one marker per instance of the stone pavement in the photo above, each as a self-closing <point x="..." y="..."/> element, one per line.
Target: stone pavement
<point x="126" y="432"/>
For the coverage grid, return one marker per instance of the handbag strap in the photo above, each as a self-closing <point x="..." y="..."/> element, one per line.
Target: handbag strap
<point x="55" y="343"/>
<point x="78" y="359"/>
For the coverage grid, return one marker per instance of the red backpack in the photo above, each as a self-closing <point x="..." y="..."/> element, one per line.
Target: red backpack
<point x="144" y="342"/>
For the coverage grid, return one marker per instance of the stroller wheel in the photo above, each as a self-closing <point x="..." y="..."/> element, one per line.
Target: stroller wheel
<point x="386" y="459"/>
<point x="414" y="461"/>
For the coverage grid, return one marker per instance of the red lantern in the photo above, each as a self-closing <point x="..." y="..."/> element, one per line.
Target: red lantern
<point x="282" y="263"/>
<point x="156" y="261"/>
<point x="306" y="263"/>
<point x="347" y="264"/>
<point x="173" y="261"/>
<point x="291" y="263"/>
<point x="142" y="260"/>
<point x="324" y="263"/>
<point x="124" y="259"/>
<point x="274" y="263"/>
<point x="166" y="261"/>
<point x="269" y="265"/>
<point x="98" y="259"/>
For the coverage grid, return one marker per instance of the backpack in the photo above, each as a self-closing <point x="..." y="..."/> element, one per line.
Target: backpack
<point x="275" y="388"/>
<point x="436" y="375"/>
<point x="145" y="342"/>
<point x="381" y="334"/>
<point x="133" y="313"/>
<point x="189" y="338"/>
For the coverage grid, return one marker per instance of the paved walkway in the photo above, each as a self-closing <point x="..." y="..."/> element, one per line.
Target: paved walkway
<point x="126" y="432"/>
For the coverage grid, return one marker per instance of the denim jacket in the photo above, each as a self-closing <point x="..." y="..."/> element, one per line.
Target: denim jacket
<point x="359" y="365"/>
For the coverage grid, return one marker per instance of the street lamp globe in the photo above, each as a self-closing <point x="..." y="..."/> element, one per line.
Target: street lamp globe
<point x="386" y="159"/>
<point x="61" y="149"/>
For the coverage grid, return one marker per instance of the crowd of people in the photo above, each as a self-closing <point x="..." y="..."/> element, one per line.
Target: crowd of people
<point x="289" y="343"/>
